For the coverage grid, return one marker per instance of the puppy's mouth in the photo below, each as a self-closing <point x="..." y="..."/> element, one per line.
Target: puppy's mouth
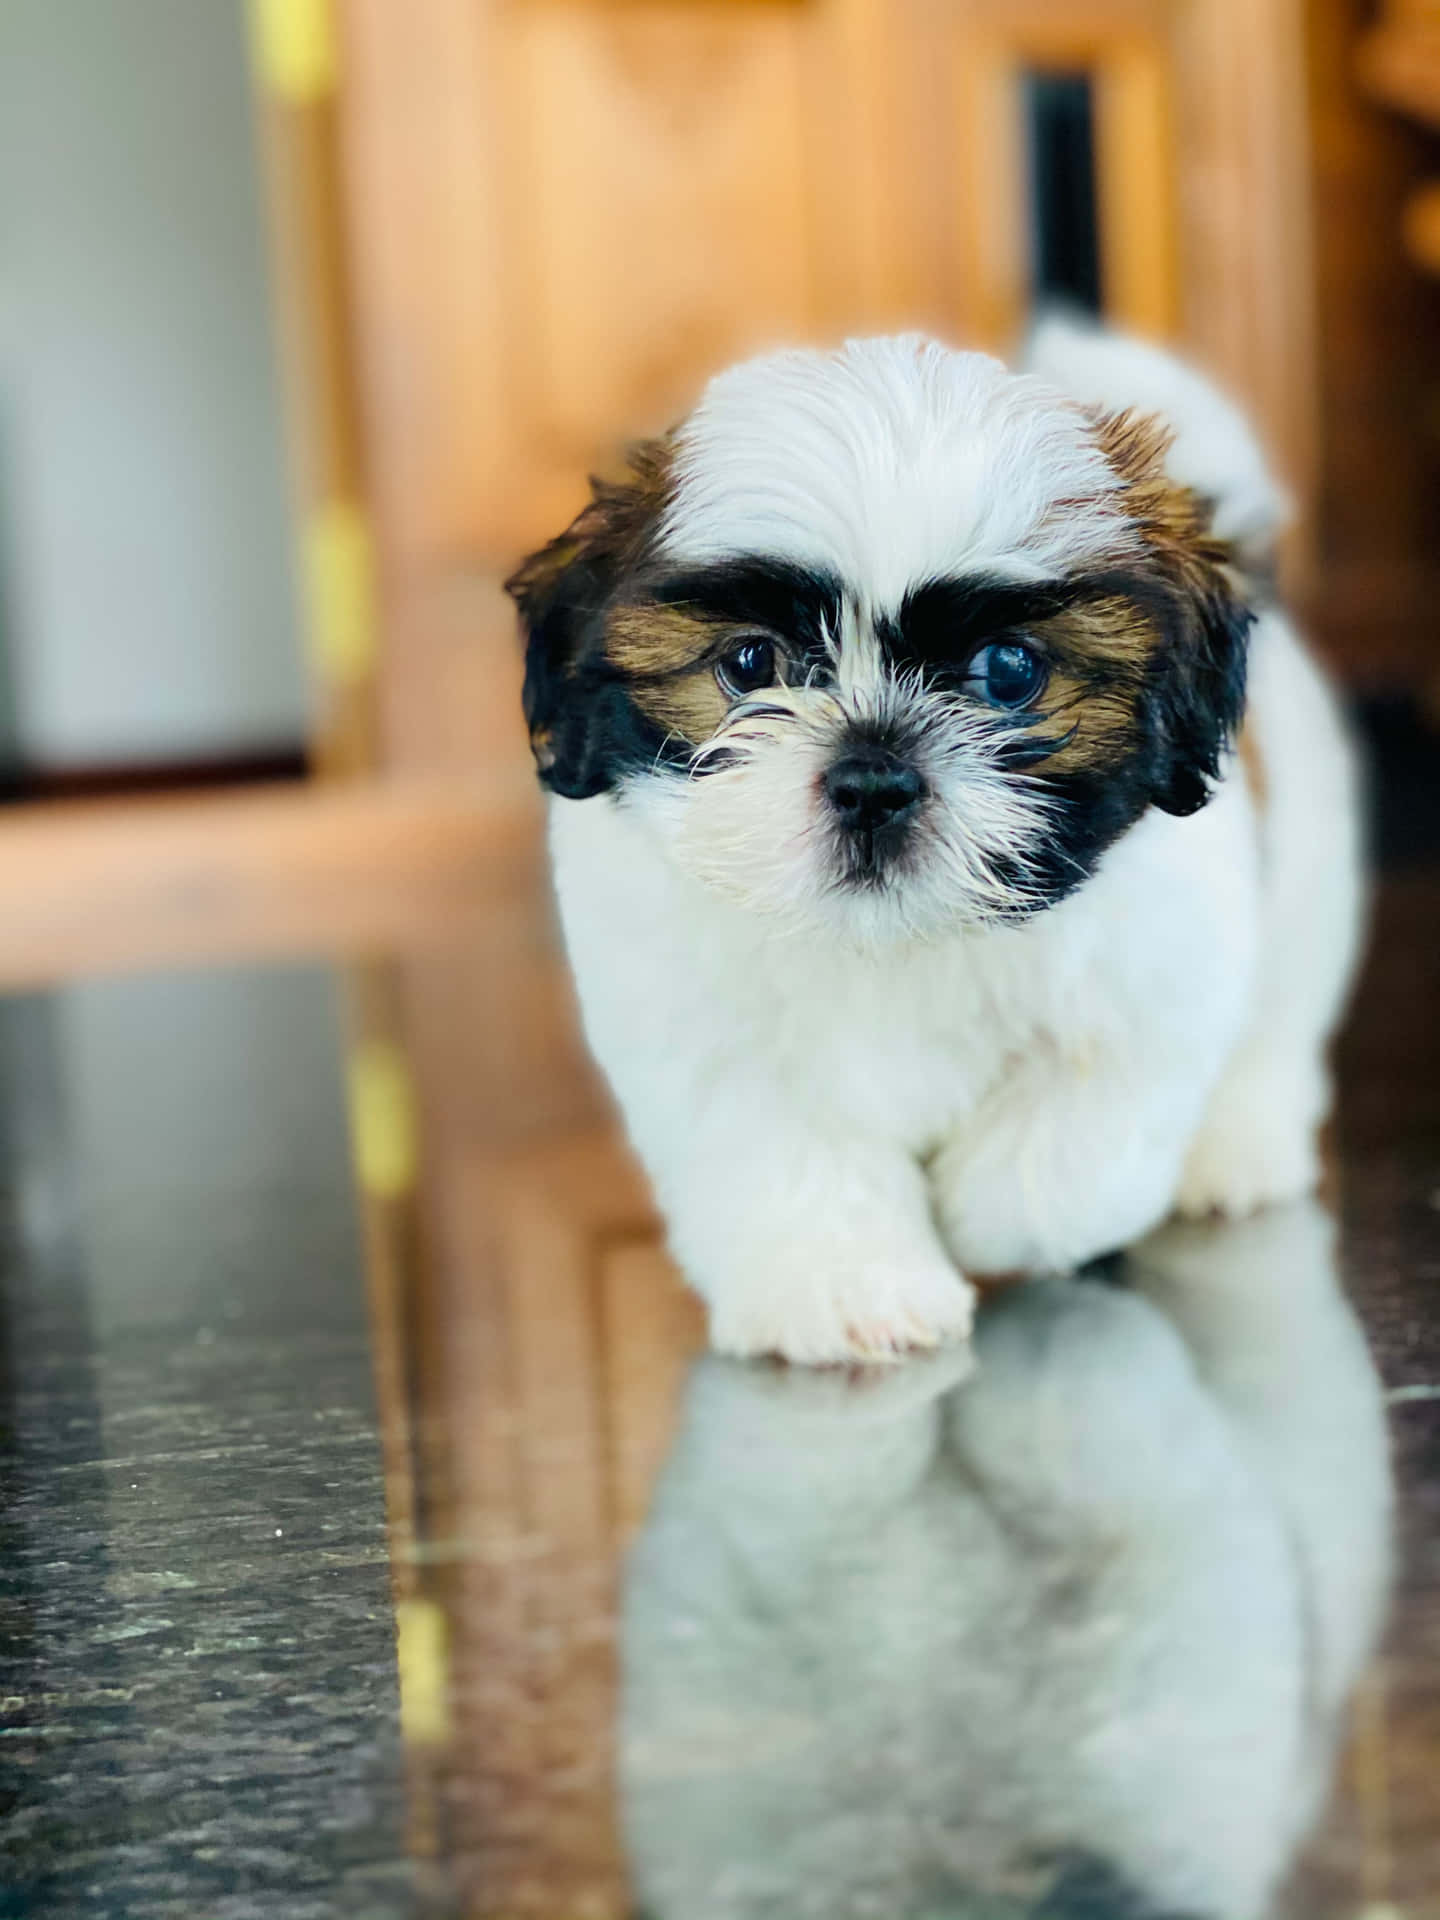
<point x="871" y="857"/>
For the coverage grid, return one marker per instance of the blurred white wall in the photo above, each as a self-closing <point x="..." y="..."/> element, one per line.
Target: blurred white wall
<point x="145" y="585"/>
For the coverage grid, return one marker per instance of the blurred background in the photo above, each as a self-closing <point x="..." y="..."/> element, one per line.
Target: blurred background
<point x="314" y="316"/>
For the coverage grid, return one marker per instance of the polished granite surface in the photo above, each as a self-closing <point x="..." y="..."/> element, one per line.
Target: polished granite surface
<point x="198" y="1678"/>
<point x="1084" y="1632"/>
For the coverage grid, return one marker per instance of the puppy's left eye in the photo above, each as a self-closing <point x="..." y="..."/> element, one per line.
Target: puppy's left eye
<point x="1007" y="674"/>
<point x="748" y="667"/>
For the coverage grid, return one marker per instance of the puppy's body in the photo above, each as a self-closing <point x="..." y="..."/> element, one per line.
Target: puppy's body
<point x="1096" y="974"/>
<point x="832" y="1132"/>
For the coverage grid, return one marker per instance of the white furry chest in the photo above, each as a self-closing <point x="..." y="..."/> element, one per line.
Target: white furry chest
<point x="898" y="1045"/>
<point x="1147" y="969"/>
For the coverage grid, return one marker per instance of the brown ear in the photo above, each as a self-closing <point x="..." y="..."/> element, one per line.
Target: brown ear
<point x="575" y="706"/>
<point x="1203" y="607"/>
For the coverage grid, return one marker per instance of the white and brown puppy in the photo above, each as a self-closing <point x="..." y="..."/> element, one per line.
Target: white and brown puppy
<point x="924" y="917"/>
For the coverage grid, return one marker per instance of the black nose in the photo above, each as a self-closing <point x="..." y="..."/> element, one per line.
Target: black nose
<point x="871" y="788"/>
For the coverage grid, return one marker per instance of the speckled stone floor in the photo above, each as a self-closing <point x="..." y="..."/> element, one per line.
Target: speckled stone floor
<point x="199" y="1695"/>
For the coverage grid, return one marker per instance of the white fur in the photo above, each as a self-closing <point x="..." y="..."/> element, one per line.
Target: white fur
<point x="1259" y="1140"/>
<point x="731" y="831"/>
<point x="890" y="1641"/>
<point x="892" y="462"/>
<point x="846" y="1102"/>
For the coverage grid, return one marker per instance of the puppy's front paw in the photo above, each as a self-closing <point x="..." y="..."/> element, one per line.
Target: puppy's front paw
<point x="828" y="1316"/>
<point x="1237" y="1170"/>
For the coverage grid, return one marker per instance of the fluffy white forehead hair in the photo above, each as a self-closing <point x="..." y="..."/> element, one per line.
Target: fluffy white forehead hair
<point x="891" y="462"/>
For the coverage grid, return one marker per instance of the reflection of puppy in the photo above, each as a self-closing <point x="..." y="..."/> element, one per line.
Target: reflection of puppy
<point x="1071" y="1639"/>
<point x="884" y="704"/>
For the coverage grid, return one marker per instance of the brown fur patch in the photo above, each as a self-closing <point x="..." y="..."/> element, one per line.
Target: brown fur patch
<point x="691" y="705"/>
<point x="1103" y="651"/>
<point x="1100" y="652"/>
<point x="667" y="654"/>
<point x="654" y="640"/>
<point x="1172" y="520"/>
<point x="1253" y="768"/>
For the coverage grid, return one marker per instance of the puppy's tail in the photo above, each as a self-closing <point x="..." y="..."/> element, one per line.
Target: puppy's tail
<point x="1214" y="450"/>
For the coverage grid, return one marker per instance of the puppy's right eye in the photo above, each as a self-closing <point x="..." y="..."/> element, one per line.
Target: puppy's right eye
<point x="1008" y="674"/>
<point x="748" y="667"/>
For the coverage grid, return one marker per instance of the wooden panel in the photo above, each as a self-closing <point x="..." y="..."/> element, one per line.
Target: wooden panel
<point x="1202" y="185"/>
<point x="1124" y="48"/>
<point x="658" y="154"/>
<point x="986" y="210"/>
<point x="1380" y="373"/>
<point x="569" y="213"/>
<point x="96" y="888"/>
<point x="451" y="675"/>
<point x="1245" y="223"/>
<point x="1136" y="165"/>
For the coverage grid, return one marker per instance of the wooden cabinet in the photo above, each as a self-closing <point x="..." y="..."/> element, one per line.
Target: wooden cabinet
<point x="566" y="213"/>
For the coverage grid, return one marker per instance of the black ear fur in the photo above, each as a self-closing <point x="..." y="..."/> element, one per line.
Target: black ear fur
<point x="1198" y="699"/>
<point x="562" y="613"/>
<point x="1200" y="609"/>
<point x="584" y="729"/>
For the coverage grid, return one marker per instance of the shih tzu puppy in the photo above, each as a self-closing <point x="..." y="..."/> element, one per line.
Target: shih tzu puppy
<point x="955" y="848"/>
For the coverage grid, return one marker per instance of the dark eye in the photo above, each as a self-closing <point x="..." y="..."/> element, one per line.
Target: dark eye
<point x="748" y="667"/>
<point x="1007" y="674"/>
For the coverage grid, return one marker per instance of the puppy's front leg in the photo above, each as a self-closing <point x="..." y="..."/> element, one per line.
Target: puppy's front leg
<point x="1066" y="1161"/>
<point x="816" y="1249"/>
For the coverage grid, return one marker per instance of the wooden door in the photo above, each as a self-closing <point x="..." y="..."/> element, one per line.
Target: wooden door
<point x="568" y="212"/>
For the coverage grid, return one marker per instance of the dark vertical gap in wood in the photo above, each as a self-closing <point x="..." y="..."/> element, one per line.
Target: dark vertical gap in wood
<point x="1064" y="220"/>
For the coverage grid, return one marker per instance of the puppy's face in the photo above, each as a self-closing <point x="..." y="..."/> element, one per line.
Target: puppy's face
<point x="887" y="640"/>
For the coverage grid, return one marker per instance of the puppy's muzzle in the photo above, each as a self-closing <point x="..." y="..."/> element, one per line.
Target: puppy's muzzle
<point x="871" y="789"/>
